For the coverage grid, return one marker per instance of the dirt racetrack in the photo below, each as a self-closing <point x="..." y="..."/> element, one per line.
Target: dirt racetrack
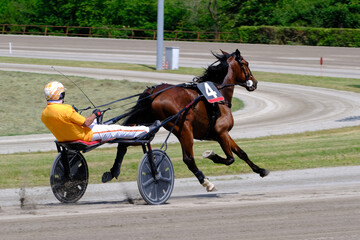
<point x="228" y="217"/>
<point x="314" y="204"/>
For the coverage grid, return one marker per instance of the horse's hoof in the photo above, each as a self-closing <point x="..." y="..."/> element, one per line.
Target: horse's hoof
<point x="106" y="177"/>
<point x="208" y="185"/>
<point x="229" y="162"/>
<point x="264" y="172"/>
<point x="208" y="154"/>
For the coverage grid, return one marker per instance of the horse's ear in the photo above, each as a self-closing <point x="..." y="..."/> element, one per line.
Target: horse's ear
<point x="237" y="54"/>
<point x="223" y="52"/>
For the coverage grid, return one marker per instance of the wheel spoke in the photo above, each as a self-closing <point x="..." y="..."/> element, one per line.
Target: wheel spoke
<point x="147" y="165"/>
<point x="160" y="161"/>
<point x="148" y="182"/>
<point x="156" y="197"/>
<point x="165" y="180"/>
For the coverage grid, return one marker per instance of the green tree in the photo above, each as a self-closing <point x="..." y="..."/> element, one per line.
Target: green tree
<point x="17" y="11"/>
<point x="131" y="13"/>
<point x="175" y="15"/>
<point x="196" y="15"/>
<point x="306" y="13"/>
<point x="251" y="12"/>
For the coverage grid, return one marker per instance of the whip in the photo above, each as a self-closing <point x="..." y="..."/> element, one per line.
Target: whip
<point x="74" y="84"/>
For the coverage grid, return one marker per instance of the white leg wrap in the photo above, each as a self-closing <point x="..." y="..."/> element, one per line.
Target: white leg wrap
<point x="209" y="186"/>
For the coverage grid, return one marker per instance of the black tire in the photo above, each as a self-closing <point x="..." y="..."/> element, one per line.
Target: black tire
<point x="156" y="191"/>
<point x="68" y="190"/>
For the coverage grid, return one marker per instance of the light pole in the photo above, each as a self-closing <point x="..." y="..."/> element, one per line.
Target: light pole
<point x="160" y="34"/>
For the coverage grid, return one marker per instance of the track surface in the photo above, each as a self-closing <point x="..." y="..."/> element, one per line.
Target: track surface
<point x="301" y="204"/>
<point x="306" y="204"/>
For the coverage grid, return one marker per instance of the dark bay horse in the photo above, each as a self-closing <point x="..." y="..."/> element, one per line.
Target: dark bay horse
<point x="198" y="122"/>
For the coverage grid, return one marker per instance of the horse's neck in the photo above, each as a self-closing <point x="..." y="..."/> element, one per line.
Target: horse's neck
<point x="228" y="91"/>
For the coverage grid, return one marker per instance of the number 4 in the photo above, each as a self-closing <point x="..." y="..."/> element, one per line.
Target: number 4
<point x="210" y="91"/>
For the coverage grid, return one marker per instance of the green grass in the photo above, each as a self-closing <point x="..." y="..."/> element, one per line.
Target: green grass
<point x="330" y="148"/>
<point x="344" y="84"/>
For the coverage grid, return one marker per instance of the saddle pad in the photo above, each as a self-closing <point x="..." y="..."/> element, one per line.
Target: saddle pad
<point x="210" y="92"/>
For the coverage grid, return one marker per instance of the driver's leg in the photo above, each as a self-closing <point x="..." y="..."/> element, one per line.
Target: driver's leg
<point x="108" y="132"/>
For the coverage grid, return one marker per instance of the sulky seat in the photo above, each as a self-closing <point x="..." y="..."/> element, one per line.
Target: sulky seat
<point x="79" y="145"/>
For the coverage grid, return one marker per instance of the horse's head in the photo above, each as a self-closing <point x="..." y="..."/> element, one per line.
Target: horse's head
<point x="241" y="71"/>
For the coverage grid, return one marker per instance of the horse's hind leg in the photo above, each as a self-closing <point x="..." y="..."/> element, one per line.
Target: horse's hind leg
<point x="218" y="159"/>
<point x="228" y="145"/>
<point x="241" y="154"/>
<point x="225" y="144"/>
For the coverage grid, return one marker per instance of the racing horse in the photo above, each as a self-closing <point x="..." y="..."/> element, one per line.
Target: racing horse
<point x="198" y="122"/>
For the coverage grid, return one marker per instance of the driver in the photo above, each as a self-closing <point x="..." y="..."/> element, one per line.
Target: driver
<point x="67" y="125"/>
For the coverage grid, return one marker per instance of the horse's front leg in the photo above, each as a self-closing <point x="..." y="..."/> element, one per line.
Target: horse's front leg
<point x="187" y="141"/>
<point x="115" y="170"/>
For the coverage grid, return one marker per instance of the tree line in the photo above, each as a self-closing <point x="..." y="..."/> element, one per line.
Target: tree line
<point x="300" y="22"/>
<point x="191" y="15"/>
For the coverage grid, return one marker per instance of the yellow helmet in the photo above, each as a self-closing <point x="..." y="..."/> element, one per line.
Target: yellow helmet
<point x="54" y="91"/>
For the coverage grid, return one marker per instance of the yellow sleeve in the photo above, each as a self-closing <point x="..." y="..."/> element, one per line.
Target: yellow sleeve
<point x="76" y="117"/>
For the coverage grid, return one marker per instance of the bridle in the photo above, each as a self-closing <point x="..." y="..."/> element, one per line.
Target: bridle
<point x="239" y="61"/>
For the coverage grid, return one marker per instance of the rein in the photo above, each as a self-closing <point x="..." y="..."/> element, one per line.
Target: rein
<point x="136" y="95"/>
<point x="231" y="85"/>
<point x="118" y="100"/>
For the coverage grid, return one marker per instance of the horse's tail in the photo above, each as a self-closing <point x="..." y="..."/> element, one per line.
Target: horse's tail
<point x="141" y="112"/>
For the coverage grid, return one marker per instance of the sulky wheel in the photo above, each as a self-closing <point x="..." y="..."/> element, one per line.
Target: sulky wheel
<point x="69" y="188"/>
<point x="156" y="190"/>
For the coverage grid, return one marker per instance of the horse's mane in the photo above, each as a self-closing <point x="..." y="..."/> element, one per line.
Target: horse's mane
<point x="215" y="73"/>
